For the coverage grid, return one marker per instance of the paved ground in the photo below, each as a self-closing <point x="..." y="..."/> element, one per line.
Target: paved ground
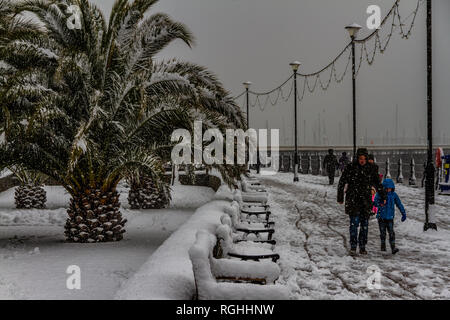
<point x="312" y="234"/>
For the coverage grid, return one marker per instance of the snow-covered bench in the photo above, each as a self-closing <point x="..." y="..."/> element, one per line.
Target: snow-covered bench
<point x="243" y="249"/>
<point x="247" y="228"/>
<point x="250" y="177"/>
<point x="252" y="187"/>
<point x="251" y="198"/>
<point x="252" y="212"/>
<point x="209" y="272"/>
<point x="249" y="215"/>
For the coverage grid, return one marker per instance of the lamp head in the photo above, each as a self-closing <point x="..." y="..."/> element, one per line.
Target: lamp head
<point x="353" y="29"/>
<point x="295" y="65"/>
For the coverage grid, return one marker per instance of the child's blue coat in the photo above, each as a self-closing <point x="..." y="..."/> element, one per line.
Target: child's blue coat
<point x="387" y="211"/>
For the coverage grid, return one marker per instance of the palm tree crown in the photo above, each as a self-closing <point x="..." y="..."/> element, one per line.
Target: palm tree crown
<point x="96" y="105"/>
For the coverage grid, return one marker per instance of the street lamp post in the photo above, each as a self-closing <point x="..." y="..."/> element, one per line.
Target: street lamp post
<point x="430" y="170"/>
<point x="295" y="65"/>
<point x="353" y="31"/>
<point x="247" y="88"/>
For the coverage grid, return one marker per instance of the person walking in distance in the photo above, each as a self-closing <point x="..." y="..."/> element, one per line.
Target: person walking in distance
<point x="330" y="164"/>
<point x="343" y="161"/>
<point x="359" y="177"/>
<point x="372" y="162"/>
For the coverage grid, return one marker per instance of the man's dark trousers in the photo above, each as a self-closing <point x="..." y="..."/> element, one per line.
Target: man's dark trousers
<point x="363" y="223"/>
<point x="331" y="177"/>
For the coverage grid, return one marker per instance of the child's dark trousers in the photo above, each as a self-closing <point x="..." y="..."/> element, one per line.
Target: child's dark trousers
<point x="389" y="226"/>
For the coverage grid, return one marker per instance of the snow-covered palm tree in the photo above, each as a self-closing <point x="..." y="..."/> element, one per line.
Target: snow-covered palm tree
<point x="29" y="194"/>
<point x="17" y="93"/>
<point x="211" y="105"/>
<point x="16" y="75"/>
<point x="105" y="107"/>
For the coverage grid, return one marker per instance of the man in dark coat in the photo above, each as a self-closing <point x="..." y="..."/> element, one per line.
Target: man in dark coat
<point x="330" y="164"/>
<point x="372" y="162"/>
<point x="358" y="178"/>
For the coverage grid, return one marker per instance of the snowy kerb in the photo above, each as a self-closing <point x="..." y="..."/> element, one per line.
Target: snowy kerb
<point x="167" y="274"/>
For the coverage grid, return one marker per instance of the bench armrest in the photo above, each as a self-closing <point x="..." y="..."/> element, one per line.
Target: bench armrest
<point x="256" y="232"/>
<point x="243" y="257"/>
<point x="246" y="271"/>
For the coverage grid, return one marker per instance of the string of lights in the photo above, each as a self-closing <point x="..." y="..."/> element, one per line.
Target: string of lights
<point x="378" y="46"/>
<point x="309" y="84"/>
<point x="280" y="93"/>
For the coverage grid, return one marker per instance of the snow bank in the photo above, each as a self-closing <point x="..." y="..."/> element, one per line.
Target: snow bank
<point x="167" y="274"/>
<point x="33" y="217"/>
<point x="54" y="215"/>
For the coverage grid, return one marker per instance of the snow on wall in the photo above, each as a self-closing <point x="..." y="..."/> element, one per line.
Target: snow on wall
<point x="54" y="215"/>
<point x="5" y="172"/>
<point x="167" y="274"/>
<point x="33" y="217"/>
<point x="224" y="193"/>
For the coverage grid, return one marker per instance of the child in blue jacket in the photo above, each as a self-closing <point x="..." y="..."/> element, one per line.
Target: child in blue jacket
<point x="386" y="214"/>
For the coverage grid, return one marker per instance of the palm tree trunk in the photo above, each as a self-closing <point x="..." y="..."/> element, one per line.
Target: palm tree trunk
<point x="95" y="217"/>
<point x="145" y="194"/>
<point x="30" y="197"/>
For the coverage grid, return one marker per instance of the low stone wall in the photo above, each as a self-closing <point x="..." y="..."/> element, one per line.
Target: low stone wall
<point x="11" y="181"/>
<point x="381" y="155"/>
<point x="8" y="182"/>
<point x="200" y="180"/>
<point x="203" y="180"/>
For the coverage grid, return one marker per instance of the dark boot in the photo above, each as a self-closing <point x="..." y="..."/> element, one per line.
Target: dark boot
<point x="362" y="251"/>
<point x="383" y="246"/>
<point x="353" y="252"/>
<point x="394" y="249"/>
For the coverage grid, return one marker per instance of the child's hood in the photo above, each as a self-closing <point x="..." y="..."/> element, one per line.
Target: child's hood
<point x="388" y="183"/>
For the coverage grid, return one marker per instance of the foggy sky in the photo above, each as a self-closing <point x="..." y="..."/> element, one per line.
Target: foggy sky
<point x="254" y="40"/>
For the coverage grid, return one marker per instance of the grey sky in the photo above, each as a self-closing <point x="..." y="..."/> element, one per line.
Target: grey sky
<point x="255" y="40"/>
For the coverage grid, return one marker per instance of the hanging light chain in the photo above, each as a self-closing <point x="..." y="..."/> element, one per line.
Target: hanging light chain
<point x="365" y="54"/>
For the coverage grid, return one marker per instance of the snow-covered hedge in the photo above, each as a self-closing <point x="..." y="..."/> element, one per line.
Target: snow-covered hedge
<point x="168" y="275"/>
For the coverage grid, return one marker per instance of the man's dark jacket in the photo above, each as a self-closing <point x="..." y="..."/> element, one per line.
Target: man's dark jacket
<point x="376" y="169"/>
<point x="360" y="180"/>
<point x="330" y="163"/>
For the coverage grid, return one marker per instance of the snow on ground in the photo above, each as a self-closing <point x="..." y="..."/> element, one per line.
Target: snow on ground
<point x="312" y="239"/>
<point x="34" y="257"/>
<point x="168" y="274"/>
<point x="311" y="234"/>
